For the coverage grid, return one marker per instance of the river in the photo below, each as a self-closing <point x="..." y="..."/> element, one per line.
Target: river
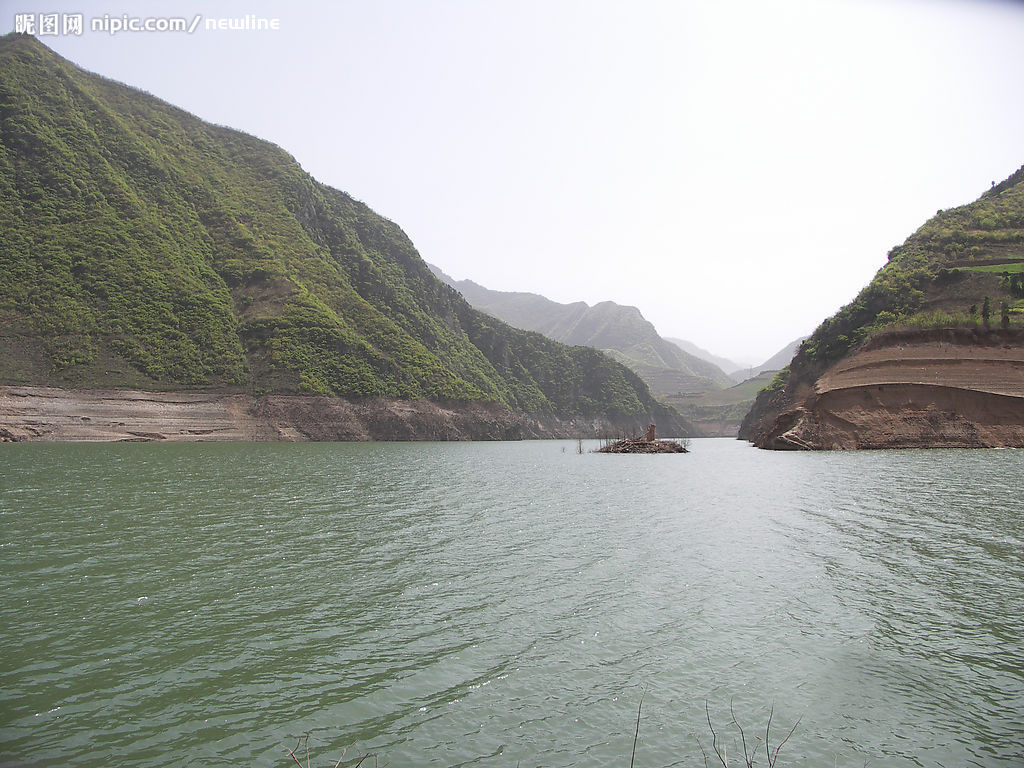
<point x="504" y="604"/>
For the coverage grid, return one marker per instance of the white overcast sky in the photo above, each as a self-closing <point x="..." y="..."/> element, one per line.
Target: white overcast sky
<point x="737" y="170"/>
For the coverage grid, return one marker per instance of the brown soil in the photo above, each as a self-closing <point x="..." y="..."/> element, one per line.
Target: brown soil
<point x="906" y="391"/>
<point x="995" y="369"/>
<point x="47" y="413"/>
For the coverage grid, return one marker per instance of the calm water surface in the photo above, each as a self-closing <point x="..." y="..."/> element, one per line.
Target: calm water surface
<point x="498" y="604"/>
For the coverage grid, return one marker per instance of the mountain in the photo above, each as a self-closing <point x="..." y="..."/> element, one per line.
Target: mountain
<point x="781" y="358"/>
<point x="620" y="331"/>
<point x="929" y="354"/>
<point x="720" y="412"/>
<point x="740" y="373"/>
<point x="144" y="249"/>
<point x="730" y="367"/>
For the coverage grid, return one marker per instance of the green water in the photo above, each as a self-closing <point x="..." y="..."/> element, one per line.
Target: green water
<point x="507" y="603"/>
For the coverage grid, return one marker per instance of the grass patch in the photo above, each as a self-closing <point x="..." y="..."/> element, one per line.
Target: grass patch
<point x="1013" y="268"/>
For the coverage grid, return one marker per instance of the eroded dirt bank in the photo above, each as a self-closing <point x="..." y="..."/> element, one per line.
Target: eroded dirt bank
<point x="911" y="391"/>
<point x="46" y="413"/>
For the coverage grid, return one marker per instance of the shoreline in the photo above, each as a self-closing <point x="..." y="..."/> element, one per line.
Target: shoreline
<point x="37" y="413"/>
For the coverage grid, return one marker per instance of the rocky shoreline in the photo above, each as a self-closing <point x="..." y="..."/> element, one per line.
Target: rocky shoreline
<point x="106" y="415"/>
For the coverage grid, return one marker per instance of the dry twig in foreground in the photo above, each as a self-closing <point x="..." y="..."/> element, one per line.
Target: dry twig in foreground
<point x="749" y="757"/>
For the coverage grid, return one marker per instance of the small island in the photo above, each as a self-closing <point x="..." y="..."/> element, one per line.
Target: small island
<point x="646" y="444"/>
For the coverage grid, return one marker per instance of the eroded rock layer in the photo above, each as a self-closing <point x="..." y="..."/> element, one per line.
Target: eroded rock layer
<point x="49" y="413"/>
<point x="912" y="391"/>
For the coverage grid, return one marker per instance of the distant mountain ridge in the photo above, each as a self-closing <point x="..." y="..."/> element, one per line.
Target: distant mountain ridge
<point x="618" y="330"/>
<point x="780" y="359"/>
<point x="737" y="372"/>
<point x="731" y="367"/>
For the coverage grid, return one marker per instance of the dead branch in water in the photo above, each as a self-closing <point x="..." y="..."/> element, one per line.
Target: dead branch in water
<point x="304" y="742"/>
<point x="636" y="734"/>
<point x="749" y="756"/>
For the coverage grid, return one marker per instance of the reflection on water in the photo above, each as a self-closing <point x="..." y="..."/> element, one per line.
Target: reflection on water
<point x="503" y="603"/>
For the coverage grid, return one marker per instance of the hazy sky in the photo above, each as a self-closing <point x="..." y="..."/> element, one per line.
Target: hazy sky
<point x="737" y="170"/>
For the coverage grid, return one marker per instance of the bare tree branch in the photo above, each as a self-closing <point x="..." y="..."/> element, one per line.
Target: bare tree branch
<point x="298" y="743"/>
<point x="748" y="759"/>
<point x="705" y="754"/>
<point x="771" y="763"/>
<point x="636" y="735"/>
<point x="714" y="737"/>
<point x="749" y="750"/>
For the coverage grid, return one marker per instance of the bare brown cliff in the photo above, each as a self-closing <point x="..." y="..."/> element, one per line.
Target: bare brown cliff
<point x="912" y="389"/>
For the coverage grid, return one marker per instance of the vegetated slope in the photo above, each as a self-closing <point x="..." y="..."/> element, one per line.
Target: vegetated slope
<point x="143" y="248"/>
<point x="617" y="330"/>
<point x="915" y="359"/>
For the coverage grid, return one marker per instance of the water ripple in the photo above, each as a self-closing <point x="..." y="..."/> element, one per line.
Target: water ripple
<point x="494" y="604"/>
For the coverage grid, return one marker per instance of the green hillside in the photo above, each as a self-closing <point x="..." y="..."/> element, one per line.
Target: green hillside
<point x="145" y="248"/>
<point x="963" y="269"/>
<point x="617" y="330"/>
